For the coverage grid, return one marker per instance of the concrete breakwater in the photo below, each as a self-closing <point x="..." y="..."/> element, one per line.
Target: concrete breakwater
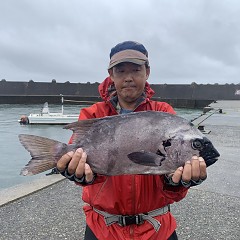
<point x="178" y="95"/>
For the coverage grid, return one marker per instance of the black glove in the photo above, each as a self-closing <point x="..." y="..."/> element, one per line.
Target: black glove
<point x="191" y="183"/>
<point x="81" y="180"/>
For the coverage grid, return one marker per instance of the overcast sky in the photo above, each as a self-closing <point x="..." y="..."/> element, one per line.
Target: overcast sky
<point x="70" y="40"/>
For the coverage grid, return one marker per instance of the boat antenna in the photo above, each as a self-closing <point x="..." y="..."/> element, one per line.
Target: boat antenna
<point x="62" y="102"/>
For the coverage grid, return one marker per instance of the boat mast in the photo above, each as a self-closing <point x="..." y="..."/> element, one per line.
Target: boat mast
<point x="62" y="102"/>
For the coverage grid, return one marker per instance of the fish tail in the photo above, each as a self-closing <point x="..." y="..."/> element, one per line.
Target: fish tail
<point x="45" y="153"/>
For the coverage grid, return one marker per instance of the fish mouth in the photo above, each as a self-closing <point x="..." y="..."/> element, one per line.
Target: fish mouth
<point x="206" y="150"/>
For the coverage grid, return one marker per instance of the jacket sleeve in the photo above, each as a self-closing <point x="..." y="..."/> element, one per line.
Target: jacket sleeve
<point x="165" y="107"/>
<point x="175" y="193"/>
<point x="88" y="113"/>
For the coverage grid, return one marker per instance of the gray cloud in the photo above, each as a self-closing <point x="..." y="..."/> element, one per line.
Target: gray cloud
<point x="70" y="40"/>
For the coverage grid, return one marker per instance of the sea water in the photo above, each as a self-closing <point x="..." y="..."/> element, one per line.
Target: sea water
<point x="13" y="156"/>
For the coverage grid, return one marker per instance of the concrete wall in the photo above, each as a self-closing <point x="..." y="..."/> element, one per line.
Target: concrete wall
<point x="45" y="88"/>
<point x="197" y="91"/>
<point x="178" y="95"/>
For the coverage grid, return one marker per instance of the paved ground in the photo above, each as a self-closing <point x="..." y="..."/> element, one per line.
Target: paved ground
<point x="209" y="212"/>
<point x="55" y="213"/>
<point x="22" y="190"/>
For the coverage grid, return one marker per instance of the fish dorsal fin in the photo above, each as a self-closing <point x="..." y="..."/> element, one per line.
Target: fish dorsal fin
<point x="80" y="128"/>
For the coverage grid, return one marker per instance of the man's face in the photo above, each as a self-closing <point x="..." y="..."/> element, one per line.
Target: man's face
<point x="129" y="80"/>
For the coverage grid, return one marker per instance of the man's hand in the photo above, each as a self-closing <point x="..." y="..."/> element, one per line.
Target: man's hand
<point x="75" y="162"/>
<point x="195" y="170"/>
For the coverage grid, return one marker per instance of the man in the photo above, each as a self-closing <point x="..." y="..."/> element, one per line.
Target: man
<point x="129" y="206"/>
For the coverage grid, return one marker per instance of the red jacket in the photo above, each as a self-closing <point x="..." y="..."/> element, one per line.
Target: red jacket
<point x="128" y="194"/>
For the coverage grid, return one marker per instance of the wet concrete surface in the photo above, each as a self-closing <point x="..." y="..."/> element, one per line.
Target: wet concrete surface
<point x="210" y="211"/>
<point x="56" y="213"/>
<point x="51" y="213"/>
<point x="224" y="175"/>
<point x="21" y="190"/>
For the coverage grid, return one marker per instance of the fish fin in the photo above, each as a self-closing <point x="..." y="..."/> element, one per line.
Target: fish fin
<point x="146" y="158"/>
<point x="45" y="153"/>
<point x="80" y="128"/>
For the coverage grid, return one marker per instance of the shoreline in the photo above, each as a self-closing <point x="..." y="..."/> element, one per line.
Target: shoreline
<point x="11" y="194"/>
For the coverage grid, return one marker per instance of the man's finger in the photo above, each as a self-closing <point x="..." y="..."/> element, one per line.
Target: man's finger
<point x="187" y="172"/>
<point x="88" y="173"/>
<point x="203" y="168"/>
<point x="80" y="170"/>
<point x="64" y="160"/>
<point x="75" y="160"/>
<point x="176" y="177"/>
<point x="195" y="168"/>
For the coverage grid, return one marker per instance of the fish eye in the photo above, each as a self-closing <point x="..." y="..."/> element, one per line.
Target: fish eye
<point x="197" y="144"/>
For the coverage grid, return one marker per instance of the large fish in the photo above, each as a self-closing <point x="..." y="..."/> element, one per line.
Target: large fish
<point x="137" y="143"/>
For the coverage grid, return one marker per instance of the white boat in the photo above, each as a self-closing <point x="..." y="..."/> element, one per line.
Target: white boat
<point x="48" y="118"/>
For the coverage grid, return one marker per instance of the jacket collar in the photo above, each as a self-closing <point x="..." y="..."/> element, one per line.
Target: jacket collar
<point x="114" y="102"/>
<point x="107" y="90"/>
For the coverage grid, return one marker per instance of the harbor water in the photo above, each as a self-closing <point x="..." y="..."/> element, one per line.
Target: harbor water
<point x="14" y="157"/>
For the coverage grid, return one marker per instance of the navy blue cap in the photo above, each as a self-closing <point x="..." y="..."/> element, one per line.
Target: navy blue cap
<point x="128" y="51"/>
<point x="128" y="45"/>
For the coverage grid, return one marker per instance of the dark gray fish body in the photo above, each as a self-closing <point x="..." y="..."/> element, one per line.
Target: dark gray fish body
<point x="137" y="143"/>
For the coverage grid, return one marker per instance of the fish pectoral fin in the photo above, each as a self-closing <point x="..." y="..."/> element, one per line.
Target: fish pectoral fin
<point x="146" y="158"/>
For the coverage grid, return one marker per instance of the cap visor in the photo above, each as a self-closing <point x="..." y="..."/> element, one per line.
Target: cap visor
<point x="131" y="60"/>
